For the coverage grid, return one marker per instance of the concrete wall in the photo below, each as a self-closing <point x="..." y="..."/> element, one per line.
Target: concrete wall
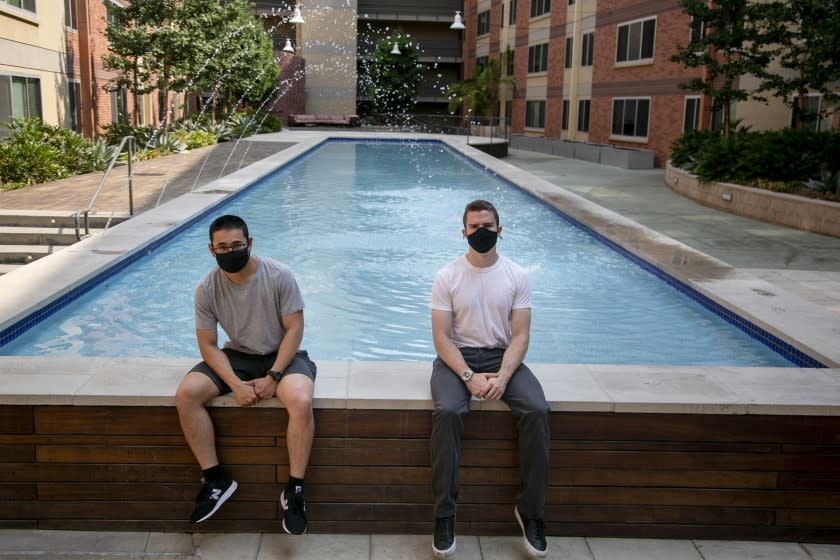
<point x="328" y="43"/>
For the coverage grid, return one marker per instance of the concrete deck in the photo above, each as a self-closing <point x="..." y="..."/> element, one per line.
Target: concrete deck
<point x="783" y="279"/>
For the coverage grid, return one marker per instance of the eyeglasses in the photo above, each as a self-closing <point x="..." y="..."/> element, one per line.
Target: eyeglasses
<point x="222" y="249"/>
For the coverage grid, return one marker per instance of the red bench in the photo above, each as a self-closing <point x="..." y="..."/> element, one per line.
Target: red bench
<point x="329" y="120"/>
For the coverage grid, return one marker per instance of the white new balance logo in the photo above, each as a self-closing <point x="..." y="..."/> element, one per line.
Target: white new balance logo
<point x="216" y="494"/>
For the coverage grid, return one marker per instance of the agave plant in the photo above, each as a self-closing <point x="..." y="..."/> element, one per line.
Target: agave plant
<point x="168" y="143"/>
<point x="101" y="154"/>
<point x="829" y="181"/>
<point x="219" y="131"/>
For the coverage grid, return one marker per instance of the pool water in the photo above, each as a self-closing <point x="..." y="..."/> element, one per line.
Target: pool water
<point x="365" y="226"/>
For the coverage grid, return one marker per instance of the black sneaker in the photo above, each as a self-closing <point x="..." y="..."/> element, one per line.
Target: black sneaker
<point x="533" y="533"/>
<point x="211" y="497"/>
<point x="443" y="541"/>
<point x="294" y="508"/>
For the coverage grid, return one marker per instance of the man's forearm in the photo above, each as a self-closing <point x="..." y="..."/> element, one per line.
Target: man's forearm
<point x="514" y="356"/>
<point x="219" y="363"/>
<point x="287" y="350"/>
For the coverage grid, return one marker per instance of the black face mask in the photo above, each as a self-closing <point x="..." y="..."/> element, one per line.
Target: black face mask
<point x="234" y="261"/>
<point x="482" y="240"/>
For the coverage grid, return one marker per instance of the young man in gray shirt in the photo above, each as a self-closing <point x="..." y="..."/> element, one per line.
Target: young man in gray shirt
<point x="257" y="302"/>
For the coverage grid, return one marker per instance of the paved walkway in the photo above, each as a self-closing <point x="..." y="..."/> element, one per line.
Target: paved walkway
<point x="272" y="546"/>
<point x="804" y="263"/>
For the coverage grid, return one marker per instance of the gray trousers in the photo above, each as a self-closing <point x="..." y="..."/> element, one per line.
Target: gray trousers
<point x="524" y="395"/>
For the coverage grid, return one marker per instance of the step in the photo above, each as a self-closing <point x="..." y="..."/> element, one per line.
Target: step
<point x="24" y="254"/>
<point x="20" y="235"/>
<point x="7" y="268"/>
<point x="56" y="218"/>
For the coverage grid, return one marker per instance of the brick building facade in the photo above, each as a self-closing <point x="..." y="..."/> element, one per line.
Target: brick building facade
<point x="600" y="71"/>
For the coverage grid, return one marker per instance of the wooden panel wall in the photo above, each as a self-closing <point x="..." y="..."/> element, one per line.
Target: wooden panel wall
<point x="643" y="475"/>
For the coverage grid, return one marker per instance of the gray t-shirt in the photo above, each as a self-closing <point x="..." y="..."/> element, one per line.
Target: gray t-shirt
<point x="249" y="314"/>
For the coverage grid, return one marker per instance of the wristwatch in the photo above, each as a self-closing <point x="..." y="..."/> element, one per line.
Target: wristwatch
<point x="467" y="375"/>
<point x="275" y="375"/>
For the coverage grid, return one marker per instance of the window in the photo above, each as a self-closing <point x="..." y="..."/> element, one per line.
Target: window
<point x="481" y="62"/>
<point x="571" y="2"/>
<point x="74" y="109"/>
<point x="512" y="12"/>
<point x="509" y="59"/>
<point x="583" y="115"/>
<point x="540" y="7"/>
<point x="70" y="14"/>
<point x="630" y="117"/>
<point x="28" y="5"/>
<point x="811" y="117"/>
<point x="538" y="58"/>
<point x="698" y="30"/>
<point x="569" y="44"/>
<point x="635" y="40"/>
<point x="587" y="49"/>
<point x="535" y="114"/>
<point x="717" y="116"/>
<point x="119" y="105"/>
<point x="564" y="122"/>
<point x="483" y="27"/>
<point x="691" y="118"/>
<point x="111" y="13"/>
<point x="20" y="97"/>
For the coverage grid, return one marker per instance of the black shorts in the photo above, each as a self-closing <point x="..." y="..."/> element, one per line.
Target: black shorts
<point x="253" y="366"/>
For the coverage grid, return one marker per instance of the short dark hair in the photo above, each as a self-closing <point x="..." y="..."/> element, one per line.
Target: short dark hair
<point x="228" y="221"/>
<point x="478" y="206"/>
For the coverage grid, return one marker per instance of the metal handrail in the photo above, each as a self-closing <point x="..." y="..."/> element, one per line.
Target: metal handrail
<point x="86" y="211"/>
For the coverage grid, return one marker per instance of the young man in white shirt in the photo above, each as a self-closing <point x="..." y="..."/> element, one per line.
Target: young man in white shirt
<point x="481" y="322"/>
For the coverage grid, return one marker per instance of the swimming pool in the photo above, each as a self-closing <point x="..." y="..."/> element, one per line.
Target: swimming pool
<point x="365" y="252"/>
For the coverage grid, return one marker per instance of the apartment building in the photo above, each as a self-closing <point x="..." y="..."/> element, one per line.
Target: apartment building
<point x="51" y="67"/>
<point x="440" y="51"/>
<point x="600" y="71"/>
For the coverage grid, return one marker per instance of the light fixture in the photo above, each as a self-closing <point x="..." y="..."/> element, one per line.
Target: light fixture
<point x="289" y="47"/>
<point x="396" y="49"/>
<point x="296" y="17"/>
<point x="457" y="23"/>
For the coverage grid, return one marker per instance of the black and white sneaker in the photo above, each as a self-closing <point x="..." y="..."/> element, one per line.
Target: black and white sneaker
<point x="533" y="533"/>
<point x="211" y="497"/>
<point x="294" y="508"/>
<point x="443" y="540"/>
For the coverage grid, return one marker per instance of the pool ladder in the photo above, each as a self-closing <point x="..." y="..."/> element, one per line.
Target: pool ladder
<point x="84" y="214"/>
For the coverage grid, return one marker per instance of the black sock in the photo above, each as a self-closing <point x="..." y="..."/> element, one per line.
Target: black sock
<point x="295" y="484"/>
<point x="215" y="473"/>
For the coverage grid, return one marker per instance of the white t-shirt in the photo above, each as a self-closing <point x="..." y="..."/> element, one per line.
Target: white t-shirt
<point x="481" y="300"/>
<point x="250" y="314"/>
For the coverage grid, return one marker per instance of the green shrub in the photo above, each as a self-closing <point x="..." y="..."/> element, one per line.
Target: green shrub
<point x="269" y="123"/>
<point x="779" y="156"/>
<point x="194" y="139"/>
<point x="36" y="152"/>
<point x="115" y="132"/>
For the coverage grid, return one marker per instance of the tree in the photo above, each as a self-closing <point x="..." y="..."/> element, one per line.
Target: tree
<point x="733" y="45"/>
<point x="128" y="46"/>
<point x="805" y="43"/>
<point x="394" y="78"/>
<point x="479" y="94"/>
<point x="191" y="46"/>
<point x="237" y="61"/>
